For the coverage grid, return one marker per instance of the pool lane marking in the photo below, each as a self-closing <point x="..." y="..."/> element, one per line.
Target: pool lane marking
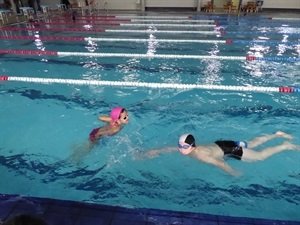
<point x="58" y="38"/>
<point x="148" y="56"/>
<point x="66" y="38"/>
<point x="194" y="17"/>
<point x="164" y="31"/>
<point x="221" y="32"/>
<point x="149" y="85"/>
<point x="106" y="24"/>
<point x="108" y="30"/>
<point x="137" y="20"/>
<point x="127" y="24"/>
<point x="191" y="17"/>
<point x="281" y="18"/>
<point x="50" y="29"/>
<point x="223" y="22"/>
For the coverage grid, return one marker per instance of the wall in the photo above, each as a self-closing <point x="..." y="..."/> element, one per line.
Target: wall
<point x="279" y="4"/>
<point x="282" y="4"/>
<point x="121" y="4"/>
<point x="100" y="4"/>
<point x="171" y="3"/>
<point x="219" y="3"/>
<point x="134" y="4"/>
<point x="51" y="3"/>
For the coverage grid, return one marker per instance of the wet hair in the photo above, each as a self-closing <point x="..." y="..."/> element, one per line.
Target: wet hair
<point x="123" y="110"/>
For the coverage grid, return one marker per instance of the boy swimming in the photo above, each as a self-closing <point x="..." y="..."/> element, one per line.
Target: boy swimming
<point x="214" y="153"/>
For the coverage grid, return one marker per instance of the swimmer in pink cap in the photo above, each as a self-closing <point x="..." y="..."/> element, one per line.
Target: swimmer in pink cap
<point x="115" y="122"/>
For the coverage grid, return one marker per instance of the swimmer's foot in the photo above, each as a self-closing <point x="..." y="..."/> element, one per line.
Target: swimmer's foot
<point x="290" y="146"/>
<point x="284" y="135"/>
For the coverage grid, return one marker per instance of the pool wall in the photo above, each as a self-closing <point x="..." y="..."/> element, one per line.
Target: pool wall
<point x="58" y="212"/>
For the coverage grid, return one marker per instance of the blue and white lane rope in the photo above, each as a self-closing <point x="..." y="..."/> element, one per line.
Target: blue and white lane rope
<point x="152" y="17"/>
<point x="157" y="40"/>
<point x="235" y="17"/>
<point x="147" y="56"/>
<point x="209" y="17"/>
<point x="172" y="21"/>
<point x="290" y="19"/>
<point x="164" y="25"/>
<point x="164" y="31"/>
<point x="68" y="38"/>
<point x="228" y="41"/>
<point x="149" y="85"/>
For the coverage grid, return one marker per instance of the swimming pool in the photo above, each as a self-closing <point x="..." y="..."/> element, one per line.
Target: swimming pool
<point x="45" y="123"/>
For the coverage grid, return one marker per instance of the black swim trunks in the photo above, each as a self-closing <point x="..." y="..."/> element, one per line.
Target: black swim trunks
<point x="231" y="149"/>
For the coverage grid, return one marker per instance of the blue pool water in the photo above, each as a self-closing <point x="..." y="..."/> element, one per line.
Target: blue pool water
<point x="44" y="126"/>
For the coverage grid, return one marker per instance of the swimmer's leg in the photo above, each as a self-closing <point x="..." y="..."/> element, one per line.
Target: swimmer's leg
<point x="260" y="140"/>
<point x="250" y="155"/>
<point x="80" y="151"/>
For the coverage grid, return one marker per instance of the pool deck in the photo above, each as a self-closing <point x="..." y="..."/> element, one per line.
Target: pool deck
<point x="61" y="212"/>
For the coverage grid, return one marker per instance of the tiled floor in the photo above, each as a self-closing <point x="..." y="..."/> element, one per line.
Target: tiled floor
<point x="58" y="212"/>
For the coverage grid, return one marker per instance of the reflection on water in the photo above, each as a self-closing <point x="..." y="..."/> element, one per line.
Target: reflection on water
<point x="91" y="46"/>
<point x="152" y="45"/>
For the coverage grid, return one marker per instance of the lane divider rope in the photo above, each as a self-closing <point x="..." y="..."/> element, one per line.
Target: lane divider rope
<point x="149" y="85"/>
<point x="128" y="24"/>
<point x="91" y="23"/>
<point x="173" y="24"/>
<point x="56" y="19"/>
<point x="222" y="32"/>
<point x="176" y="21"/>
<point x="194" y="17"/>
<point x="107" y="30"/>
<point x="293" y="32"/>
<point x="166" y="25"/>
<point x="280" y="18"/>
<point x="50" y="29"/>
<point x="164" y="31"/>
<point x="231" y="17"/>
<point x="144" y="17"/>
<point x="227" y="17"/>
<point x="228" y="41"/>
<point x="137" y="20"/>
<point x="210" y="21"/>
<point x="57" y="38"/>
<point x="147" y="56"/>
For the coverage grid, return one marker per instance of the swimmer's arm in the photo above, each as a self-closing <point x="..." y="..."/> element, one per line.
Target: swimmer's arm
<point x="155" y="152"/>
<point x="221" y="165"/>
<point x="104" y="118"/>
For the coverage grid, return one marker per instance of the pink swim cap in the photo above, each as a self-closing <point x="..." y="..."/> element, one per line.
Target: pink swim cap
<point x="115" y="113"/>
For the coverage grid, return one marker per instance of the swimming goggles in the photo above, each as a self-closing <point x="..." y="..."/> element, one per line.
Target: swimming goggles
<point x="185" y="146"/>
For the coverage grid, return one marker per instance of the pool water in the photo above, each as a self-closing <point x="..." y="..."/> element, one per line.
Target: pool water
<point x="44" y="127"/>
